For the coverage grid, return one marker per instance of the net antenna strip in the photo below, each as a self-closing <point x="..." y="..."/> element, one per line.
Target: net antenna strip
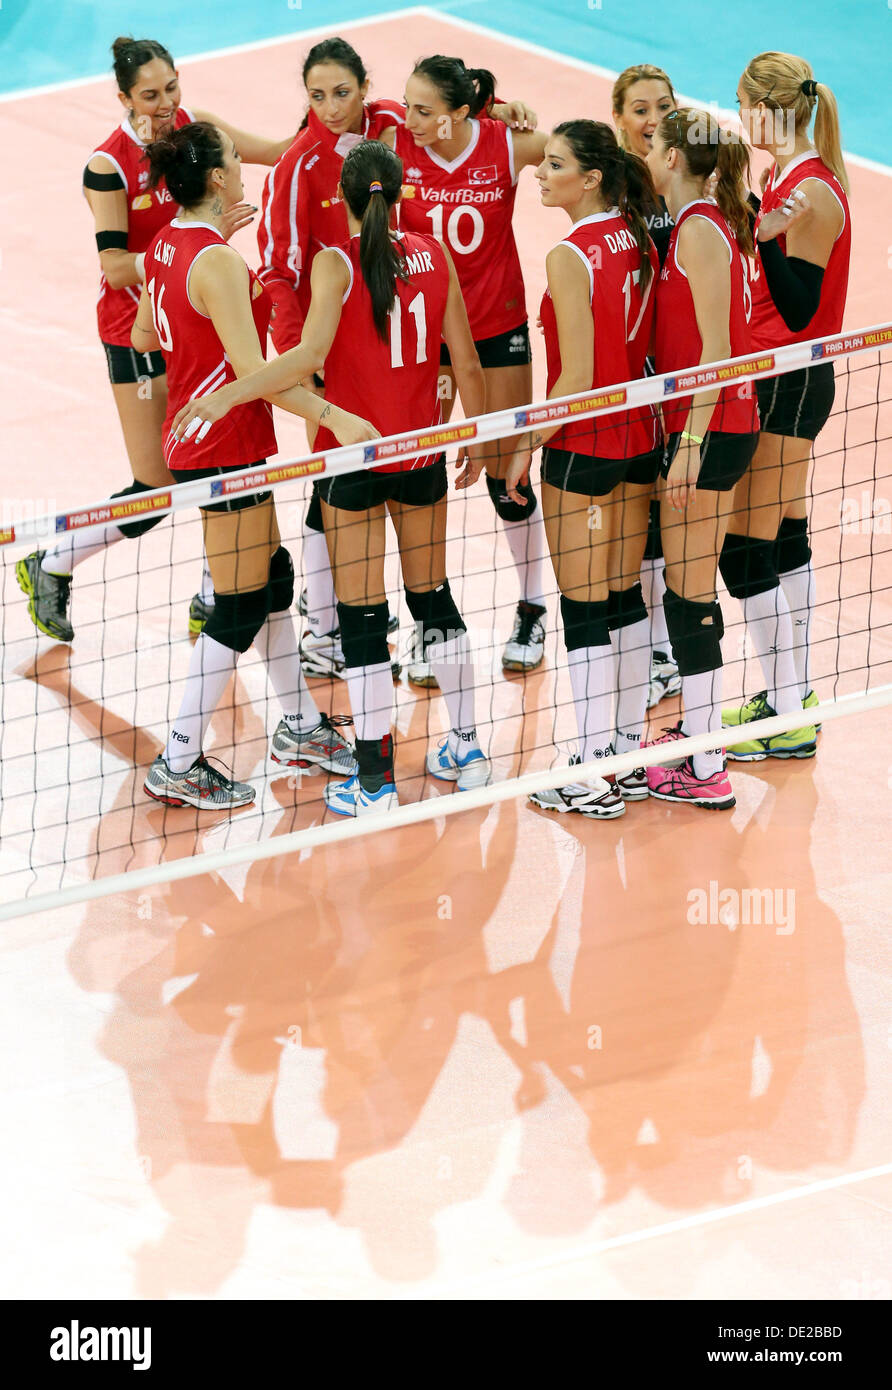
<point x="477" y="430"/>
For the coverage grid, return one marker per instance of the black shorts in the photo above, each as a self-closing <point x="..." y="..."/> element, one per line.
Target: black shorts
<point x="797" y="404"/>
<point x="595" y="477"/>
<point x="127" y="367"/>
<point x="724" y="458"/>
<point x="364" y="489"/>
<point x="511" y="349"/>
<point x="235" y="503"/>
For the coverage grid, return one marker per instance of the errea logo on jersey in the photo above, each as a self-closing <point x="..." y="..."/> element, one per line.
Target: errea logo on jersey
<point x="487" y="173"/>
<point x="311" y="162"/>
<point x="413" y="175"/>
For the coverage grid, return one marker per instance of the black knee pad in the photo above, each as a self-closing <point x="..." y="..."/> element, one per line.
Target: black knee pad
<point x="747" y="566"/>
<point x="313" y="518"/>
<point x="133" y="529"/>
<point x="695" y="631"/>
<point x="237" y="618"/>
<point x="435" y="613"/>
<point x="508" y="510"/>
<point x="364" y="633"/>
<point x="653" y="550"/>
<point x="585" y="624"/>
<point x="281" y="581"/>
<point x="791" y="549"/>
<point x="625" y="607"/>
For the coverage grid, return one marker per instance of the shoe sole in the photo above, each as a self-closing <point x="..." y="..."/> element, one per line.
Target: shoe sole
<point x="352" y="815"/>
<point x="197" y="804"/>
<point x="711" y="805"/>
<point x="308" y="761"/>
<point x="807" y="750"/>
<point x="589" y="815"/>
<point x="522" y="665"/>
<point x="670" y="691"/>
<point x="426" y="682"/>
<point x="639" y="794"/>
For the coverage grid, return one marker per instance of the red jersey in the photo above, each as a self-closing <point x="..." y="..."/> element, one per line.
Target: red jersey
<point x="678" y="342"/>
<point x="622" y="318"/>
<point x="194" y="357"/>
<point x="469" y="205"/>
<point x="301" y="212"/>
<point x="148" y="210"/>
<point x="392" y="384"/>
<point x="768" y="328"/>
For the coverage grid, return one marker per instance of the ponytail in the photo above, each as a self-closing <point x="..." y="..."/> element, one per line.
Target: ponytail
<point x="732" y="166"/>
<point x="828" y="141"/>
<point x="184" y="158"/>
<point x="785" y="82"/>
<point x="371" y="179"/>
<point x="625" y="179"/>
<point x="636" y="198"/>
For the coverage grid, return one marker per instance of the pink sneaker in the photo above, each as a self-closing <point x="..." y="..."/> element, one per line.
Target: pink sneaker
<point x="681" y="784"/>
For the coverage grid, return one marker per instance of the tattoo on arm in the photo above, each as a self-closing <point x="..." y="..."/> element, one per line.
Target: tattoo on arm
<point x="325" y="413"/>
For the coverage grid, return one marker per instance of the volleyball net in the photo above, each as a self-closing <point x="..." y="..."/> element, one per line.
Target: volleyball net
<point x="81" y="722"/>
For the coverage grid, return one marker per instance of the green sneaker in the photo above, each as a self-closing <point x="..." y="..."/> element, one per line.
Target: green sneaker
<point x="795" y="743"/>
<point x="49" y="597"/>
<point x="756" y="708"/>
<point x="199" y="612"/>
<point x="809" y="702"/>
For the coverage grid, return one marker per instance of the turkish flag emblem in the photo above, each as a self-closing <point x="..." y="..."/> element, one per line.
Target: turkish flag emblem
<point x="487" y="173"/>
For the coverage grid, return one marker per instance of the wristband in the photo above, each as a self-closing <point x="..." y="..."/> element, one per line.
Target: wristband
<point x="694" y="438"/>
<point x="139" y="265"/>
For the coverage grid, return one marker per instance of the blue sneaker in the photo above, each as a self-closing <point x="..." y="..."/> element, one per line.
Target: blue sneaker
<point x="351" y="799"/>
<point x="470" y="770"/>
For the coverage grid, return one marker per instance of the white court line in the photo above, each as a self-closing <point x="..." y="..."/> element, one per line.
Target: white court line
<point x="413" y="11"/>
<point x="666" y="1228"/>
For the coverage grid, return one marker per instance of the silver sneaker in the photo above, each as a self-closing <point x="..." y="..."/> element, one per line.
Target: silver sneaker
<point x="323" y="746"/>
<point x="598" y="798"/>
<point x="49" y="597"/>
<point x="664" y="679"/>
<point x="525" y="648"/>
<point x="201" y="785"/>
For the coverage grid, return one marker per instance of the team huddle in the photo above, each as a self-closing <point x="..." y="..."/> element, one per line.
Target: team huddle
<point x="389" y="279"/>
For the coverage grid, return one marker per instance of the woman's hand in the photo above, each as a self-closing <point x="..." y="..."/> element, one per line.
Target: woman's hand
<point x="778" y="222"/>
<point x="347" y="428"/>
<point x="198" y="415"/>
<point x="473" y="467"/>
<point x="518" y="473"/>
<point x="232" y="221"/>
<point x="516" y="115"/>
<point x="681" y="480"/>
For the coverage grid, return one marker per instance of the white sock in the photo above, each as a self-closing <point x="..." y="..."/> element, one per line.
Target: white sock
<point x="77" y="546"/>
<point x="277" y="644"/>
<point x="526" y="540"/>
<point x="770" y="628"/>
<point x="454" y="670"/>
<point x="631" y="649"/>
<point x="593" y="684"/>
<point x="209" y="670"/>
<point x="702" y="696"/>
<point x="799" y="590"/>
<point x="653" y="586"/>
<point x="322" y="609"/>
<point x="206" y="592"/>
<point x="371" y="699"/>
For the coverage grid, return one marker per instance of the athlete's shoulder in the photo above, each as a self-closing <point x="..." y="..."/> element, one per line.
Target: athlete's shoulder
<point x="382" y="113"/>
<point x="305" y="143"/>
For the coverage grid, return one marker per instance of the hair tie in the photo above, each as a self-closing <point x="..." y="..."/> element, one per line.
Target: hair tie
<point x="809" y="87"/>
<point x="192" y="155"/>
<point x="375" y="186"/>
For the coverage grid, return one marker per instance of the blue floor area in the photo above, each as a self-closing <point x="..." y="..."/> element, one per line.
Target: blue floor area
<point x="702" y="45"/>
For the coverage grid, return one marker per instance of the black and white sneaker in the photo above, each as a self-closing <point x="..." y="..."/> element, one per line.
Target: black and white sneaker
<point x="201" y="785"/>
<point x="49" y="597"/>
<point x="199" y="613"/>
<point x="323" y="746"/>
<point x="633" y="786"/>
<point x="525" y="648"/>
<point x="600" y="798"/>
<point x="664" y="679"/>
<point x="420" y="672"/>
<point x="393" y="621"/>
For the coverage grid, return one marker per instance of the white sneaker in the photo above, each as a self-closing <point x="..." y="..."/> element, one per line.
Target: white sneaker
<point x="323" y="655"/>
<point x="599" y="798"/>
<point x="525" y="648"/>
<point x="664" y="679"/>
<point x="351" y="799"/>
<point x="466" y="770"/>
<point x="420" y="672"/>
